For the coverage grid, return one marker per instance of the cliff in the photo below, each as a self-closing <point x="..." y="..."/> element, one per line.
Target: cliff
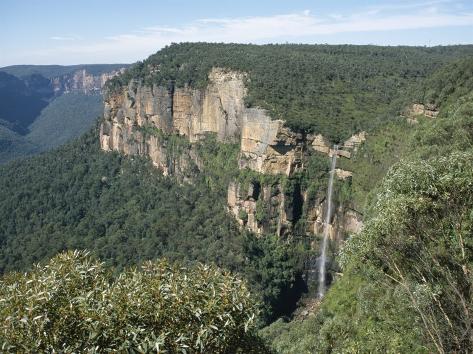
<point x="148" y="120"/>
<point x="81" y="81"/>
<point x="266" y="145"/>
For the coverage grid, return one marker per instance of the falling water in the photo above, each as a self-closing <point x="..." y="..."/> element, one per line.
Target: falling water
<point x="328" y="214"/>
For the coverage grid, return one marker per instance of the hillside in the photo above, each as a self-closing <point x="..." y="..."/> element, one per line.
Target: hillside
<point x="190" y="163"/>
<point x="126" y="212"/>
<point x="406" y="277"/>
<point x="333" y="90"/>
<point x="41" y="100"/>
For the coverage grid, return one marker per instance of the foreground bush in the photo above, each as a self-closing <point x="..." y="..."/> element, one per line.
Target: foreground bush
<point x="73" y="304"/>
<point x="420" y="242"/>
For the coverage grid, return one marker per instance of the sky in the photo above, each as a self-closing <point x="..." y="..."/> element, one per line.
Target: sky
<point x="116" y="31"/>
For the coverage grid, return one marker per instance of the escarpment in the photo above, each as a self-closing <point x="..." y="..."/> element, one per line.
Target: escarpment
<point x="165" y="122"/>
<point x="82" y="81"/>
<point x="266" y="145"/>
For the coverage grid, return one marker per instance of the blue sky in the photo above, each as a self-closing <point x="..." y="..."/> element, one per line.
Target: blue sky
<point x="118" y="31"/>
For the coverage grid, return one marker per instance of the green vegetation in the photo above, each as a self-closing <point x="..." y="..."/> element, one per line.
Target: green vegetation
<point x="22" y="100"/>
<point x="384" y="147"/>
<point x="334" y="90"/>
<point x="33" y="118"/>
<point x="13" y="145"/>
<point x="74" y="304"/>
<point x="126" y="212"/>
<point x="406" y="283"/>
<point x="357" y="316"/>
<point x="403" y="285"/>
<point x="65" y="118"/>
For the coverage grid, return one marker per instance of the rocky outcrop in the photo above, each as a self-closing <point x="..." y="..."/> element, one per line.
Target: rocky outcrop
<point x="345" y="221"/>
<point x="164" y="122"/>
<point x="343" y="174"/>
<point x="418" y="109"/>
<point x="353" y="142"/>
<point x="265" y="208"/>
<point x="82" y="81"/>
<point x="272" y="209"/>
<point x="321" y="144"/>
<point x="267" y="146"/>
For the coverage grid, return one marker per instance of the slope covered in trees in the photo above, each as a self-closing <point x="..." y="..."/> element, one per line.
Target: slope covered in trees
<point x="126" y="212"/>
<point x="333" y="90"/>
<point x="35" y="116"/>
<point x="407" y="280"/>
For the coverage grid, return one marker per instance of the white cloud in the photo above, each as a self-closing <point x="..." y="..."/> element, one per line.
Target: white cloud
<point x="65" y="38"/>
<point x="299" y="26"/>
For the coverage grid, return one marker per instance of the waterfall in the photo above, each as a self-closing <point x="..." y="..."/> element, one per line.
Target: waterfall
<point x="328" y="215"/>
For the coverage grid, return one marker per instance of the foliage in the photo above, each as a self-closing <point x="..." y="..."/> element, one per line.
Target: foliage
<point x="13" y="145"/>
<point x="355" y="317"/>
<point x="448" y="84"/>
<point x="72" y="304"/>
<point x="22" y="103"/>
<point x="383" y="147"/>
<point x="33" y="118"/>
<point x="421" y="238"/>
<point x="65" y="118"/>
<point x="406" y="283"/>
<point x="335" y="90"/>
<point x="275" y="270"/>
<point x="125" y="211"/>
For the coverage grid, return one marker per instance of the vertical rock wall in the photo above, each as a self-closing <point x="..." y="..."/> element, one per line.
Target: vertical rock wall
<point x="139" y="118"/>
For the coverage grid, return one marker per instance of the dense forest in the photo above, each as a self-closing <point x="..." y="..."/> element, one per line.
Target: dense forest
<point x="35" y="116"/>
<point x="407" y="277"/>
<point x="404" y="284"/>
<point x="126" y="212"/>
<point x="335" y="90"/>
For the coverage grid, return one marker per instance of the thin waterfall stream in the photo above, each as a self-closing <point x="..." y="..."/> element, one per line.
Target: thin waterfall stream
<point x="328" y="215"/>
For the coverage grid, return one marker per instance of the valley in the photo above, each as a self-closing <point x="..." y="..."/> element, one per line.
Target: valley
<point x="335" y="183"/>
<point x="45" y="106"/>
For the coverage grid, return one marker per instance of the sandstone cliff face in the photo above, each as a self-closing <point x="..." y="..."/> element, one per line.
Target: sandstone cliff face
<point x="264" y="208"/>
<point x="418" y="109"/>
<point x="272" y="209"/>
<point x="82" y="81"/>
<point x="139" y="120"/>
<point x="266" y="145"/>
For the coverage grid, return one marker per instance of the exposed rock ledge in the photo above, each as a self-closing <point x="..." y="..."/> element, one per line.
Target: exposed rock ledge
<point x="138" y="119"/>
<point x="82" y="81"/>
<point x="267" y="146"/>
<point x="418" y="109"/>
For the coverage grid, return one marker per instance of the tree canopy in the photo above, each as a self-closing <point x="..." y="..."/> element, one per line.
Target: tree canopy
<point x="335" y="90"/>
<point x="74" y="304"/>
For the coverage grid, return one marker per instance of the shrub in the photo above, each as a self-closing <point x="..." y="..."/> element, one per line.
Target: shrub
<point x="72" y="304"/>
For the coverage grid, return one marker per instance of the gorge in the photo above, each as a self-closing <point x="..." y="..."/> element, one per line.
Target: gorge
<point x="333" y="187"/>
<point x="167" y="123"/>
